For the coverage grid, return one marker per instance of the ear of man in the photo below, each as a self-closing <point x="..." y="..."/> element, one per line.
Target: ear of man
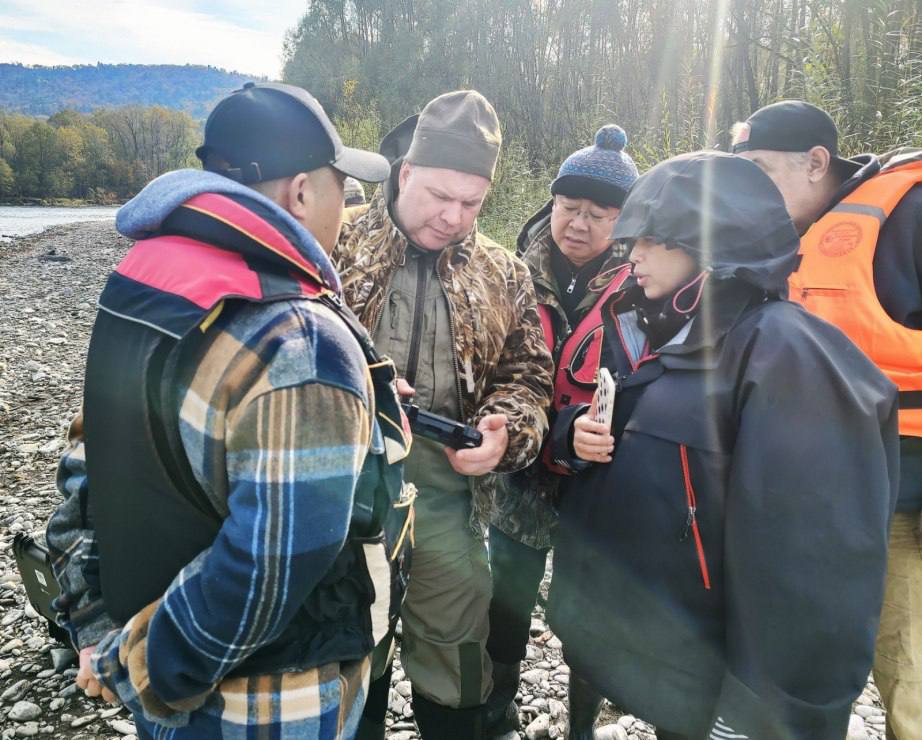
<point x="314" y="199"/>
<point x="404" y="175"/>
<point x="818" y="163"/>
<point x="299" y="196"/>
<point x="295" y="194"/>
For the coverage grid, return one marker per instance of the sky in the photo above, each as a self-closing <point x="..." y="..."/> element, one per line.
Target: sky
<point x="237" y="35"/>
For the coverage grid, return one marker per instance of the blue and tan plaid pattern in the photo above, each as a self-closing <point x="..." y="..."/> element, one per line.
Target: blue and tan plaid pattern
<point x="275" y="420"/>
<point x="317" y="704"/>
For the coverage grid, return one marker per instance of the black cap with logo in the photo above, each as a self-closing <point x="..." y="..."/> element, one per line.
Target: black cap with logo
<point x="792" y="126"/>
<point x="269" y="130"/>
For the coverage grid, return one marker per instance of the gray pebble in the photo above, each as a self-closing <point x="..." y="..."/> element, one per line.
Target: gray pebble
<point x="856" y="729"/>
<point x="123" y="727"/>
<point x="23" y="711"/>
<point x="11" y="618"/>
<point x="11" y="645"/>
<point x="84" y="720"/>
<point x="534" y="676"/>
<point x="16" y="691"/>
<point x="611" y="732"/>
<point x="538" y="728"/>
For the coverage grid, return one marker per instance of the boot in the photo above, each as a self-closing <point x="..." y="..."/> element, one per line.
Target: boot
<point x="585" y="704"/>
<point x="438" y="722"/>
<point x="370" y="730"/>
<point x="371" y="725"/>
<point x="501" y="714"/>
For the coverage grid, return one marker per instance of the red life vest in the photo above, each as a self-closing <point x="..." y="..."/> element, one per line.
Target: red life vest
<point x="578" y="361"/>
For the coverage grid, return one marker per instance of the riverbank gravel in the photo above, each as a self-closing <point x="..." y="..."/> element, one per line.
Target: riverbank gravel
<point x="49" y="283"/>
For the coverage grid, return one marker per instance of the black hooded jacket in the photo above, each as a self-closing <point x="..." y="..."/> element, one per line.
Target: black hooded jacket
<point x="723" y="575"/>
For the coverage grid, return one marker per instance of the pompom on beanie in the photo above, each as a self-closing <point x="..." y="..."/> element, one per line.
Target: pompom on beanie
<point x="603" y="172"/>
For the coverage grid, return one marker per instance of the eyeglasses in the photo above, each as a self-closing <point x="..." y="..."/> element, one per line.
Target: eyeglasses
<point x="571" y="213"/>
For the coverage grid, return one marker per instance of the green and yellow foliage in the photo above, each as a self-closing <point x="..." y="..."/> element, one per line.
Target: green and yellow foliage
<point x="105" y="157"/>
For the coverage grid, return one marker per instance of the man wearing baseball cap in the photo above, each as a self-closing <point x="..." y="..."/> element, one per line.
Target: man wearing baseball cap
<point x="457" y="313"/>
<point x="861" y="269"/>
<point x="222" y="567"/>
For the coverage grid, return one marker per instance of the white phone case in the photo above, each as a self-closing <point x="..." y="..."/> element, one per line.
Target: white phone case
<point x="605" y="394"/>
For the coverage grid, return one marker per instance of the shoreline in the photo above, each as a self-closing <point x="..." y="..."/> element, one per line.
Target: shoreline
<point x="14" y="243"/>
<point x="59" y="203"/>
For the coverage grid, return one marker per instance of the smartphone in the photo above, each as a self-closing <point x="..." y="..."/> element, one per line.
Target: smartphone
<point x="605" y="396"/>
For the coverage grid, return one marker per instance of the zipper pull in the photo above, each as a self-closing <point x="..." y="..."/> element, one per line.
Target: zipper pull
<point x="395" y="310"/>
<point x="469" y="375"/>
<point x="690" y="519"/>
<point x="572" y="285"/>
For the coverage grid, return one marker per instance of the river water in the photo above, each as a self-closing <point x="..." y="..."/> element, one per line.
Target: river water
<point x="21" y="220"/>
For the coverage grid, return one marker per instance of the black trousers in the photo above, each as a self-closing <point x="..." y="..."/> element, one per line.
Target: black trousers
<point x="517" y="572"/>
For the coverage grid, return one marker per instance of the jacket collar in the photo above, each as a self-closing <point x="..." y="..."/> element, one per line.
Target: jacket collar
<point x="870" y="166"/>
<point x="280" y="235"/>
<point x="534" y="226"/>
<point x="723" y="305"/>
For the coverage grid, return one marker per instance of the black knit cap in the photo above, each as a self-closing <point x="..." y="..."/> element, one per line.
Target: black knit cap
<point x="269" y="130"/>
<point x="792" y="126"/>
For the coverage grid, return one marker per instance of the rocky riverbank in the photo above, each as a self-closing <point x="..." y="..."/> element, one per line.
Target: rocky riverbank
<point x="49" y="285"/>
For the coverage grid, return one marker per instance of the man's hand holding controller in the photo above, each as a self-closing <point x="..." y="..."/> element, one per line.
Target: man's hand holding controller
<point x="476" y="460"/>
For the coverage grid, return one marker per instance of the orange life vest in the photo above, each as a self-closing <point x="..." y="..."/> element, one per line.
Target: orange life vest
<point x="835" y="281"/>
<point x="578" y="363"/>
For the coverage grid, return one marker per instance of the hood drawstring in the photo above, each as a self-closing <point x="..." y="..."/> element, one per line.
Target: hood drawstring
<point x="699" y="281"/>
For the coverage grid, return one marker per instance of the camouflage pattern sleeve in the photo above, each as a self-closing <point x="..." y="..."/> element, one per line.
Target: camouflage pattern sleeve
<point x="71" y="541"/>
<point x="521" y="384"/>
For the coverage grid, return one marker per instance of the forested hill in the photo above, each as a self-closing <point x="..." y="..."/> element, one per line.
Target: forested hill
<point x="43" y="91"/>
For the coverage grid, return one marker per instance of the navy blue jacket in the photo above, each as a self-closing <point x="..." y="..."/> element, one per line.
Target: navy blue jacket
<point x="723" y="575"/>
<point x="789" y="434"/>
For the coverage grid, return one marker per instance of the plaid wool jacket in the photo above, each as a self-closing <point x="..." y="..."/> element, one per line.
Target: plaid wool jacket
<point x="275" y="411"/>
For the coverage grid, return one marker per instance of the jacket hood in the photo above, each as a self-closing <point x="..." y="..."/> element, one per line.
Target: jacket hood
<point x="721" y="209"/>
<point x="537" y="223"/>
<point x="396" y="142"/>
<point x="143" y="216"/>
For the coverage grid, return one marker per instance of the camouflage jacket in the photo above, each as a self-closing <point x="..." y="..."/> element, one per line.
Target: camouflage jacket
<point x="502" y="364"/>
<point x="525" y="501"/>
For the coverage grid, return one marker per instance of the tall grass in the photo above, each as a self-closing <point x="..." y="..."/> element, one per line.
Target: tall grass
<point x="518" y="191"/>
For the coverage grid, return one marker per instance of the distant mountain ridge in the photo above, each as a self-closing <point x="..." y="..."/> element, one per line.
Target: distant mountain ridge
<point x="43" y="91"/>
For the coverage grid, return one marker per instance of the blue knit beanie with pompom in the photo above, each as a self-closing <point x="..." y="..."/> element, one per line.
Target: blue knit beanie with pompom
<point x="603" y="172"/>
